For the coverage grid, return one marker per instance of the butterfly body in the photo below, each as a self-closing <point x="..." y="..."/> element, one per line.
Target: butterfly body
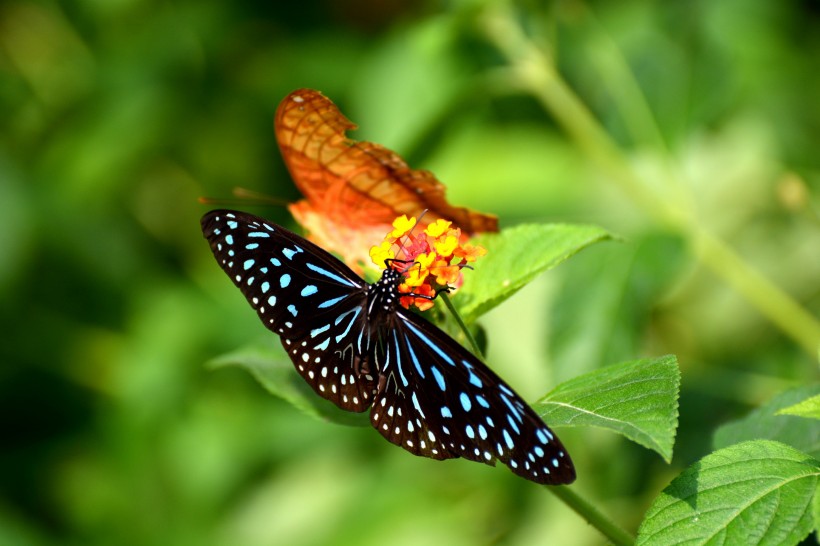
<point x="358" y="348"/>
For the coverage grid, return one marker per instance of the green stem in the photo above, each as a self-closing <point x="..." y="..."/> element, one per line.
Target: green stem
<point x="583" y="508"/>
<point x="470" y="339"/>
<point x="536" y="74"/>
<point x="595" y="518"/>
<point x="772" y="302"/>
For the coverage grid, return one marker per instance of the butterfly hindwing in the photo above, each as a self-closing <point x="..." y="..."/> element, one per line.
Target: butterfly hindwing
<point x="440" y="401"/>
<point x="397" y="410"/>
<point x="332" y="356"/>
<point x="286" y="278"/>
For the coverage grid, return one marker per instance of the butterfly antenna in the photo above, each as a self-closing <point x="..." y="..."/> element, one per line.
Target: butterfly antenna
<point x="245" y="197"/>
<point x="409" y="234"/>
<point x="418" y="220"/>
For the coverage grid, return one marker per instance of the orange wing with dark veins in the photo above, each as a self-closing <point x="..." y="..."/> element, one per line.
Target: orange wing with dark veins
<point x="357" y="183"/>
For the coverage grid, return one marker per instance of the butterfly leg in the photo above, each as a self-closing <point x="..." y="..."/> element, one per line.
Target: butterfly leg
<point x="431" y="298"/>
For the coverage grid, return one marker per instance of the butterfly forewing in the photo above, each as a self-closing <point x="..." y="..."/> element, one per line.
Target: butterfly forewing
<point x="308" y="297"/>
<point x="443" y="402"/>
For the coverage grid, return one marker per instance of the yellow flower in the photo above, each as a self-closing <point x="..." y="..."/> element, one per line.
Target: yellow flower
<point x="402" y="226"/>
<point x="446" y="246"/>
<point x="430" y="261"/>
<point x="380" y="254"/>
<point x="437" y="228"/>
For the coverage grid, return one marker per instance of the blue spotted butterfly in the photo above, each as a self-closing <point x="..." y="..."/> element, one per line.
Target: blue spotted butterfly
<point x="357" y="347"/>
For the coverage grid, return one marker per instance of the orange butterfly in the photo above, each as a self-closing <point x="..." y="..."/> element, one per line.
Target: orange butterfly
<point x="354" y="190"/>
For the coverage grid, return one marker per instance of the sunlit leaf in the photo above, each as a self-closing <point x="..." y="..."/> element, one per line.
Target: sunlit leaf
<point x="757" y="492"/>
<point x="515" y="256"/>
<point x="638" y="399"/>
<point x="816" y="512"/>
<point x="809" y="407"/>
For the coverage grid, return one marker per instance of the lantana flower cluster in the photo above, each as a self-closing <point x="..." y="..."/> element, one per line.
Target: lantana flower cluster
<point x="430" y="260"/>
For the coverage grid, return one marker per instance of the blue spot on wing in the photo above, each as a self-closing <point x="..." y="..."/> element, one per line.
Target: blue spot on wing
<point x="316" y="331"/>
<point x="508" y="440"/>
<point x="329" y="275"/>
<point x="398" y="359"/>
<point x="416" y="404"/>
<point x="429" y="343"/>
<point x="355" y="311"/>
<point x="413" y="357"/>
<point x="331" y="303"/>
<point x="439" y="378"/>
<point x="513" y="410"/>
<point x="309" y="290"/>
<point x="474" y="379"/>
<point x="513" y="424"/>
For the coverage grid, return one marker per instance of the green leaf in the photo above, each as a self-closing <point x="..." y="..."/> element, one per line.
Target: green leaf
<point x="638" y="399"/>
<point x="766" y="422"/>
<point x="274" y="370"/>
<point x="815" y="509"/>
<point x="809" y="407"/>
<point x="515" y="256"/>
<point x="757" y="492"/>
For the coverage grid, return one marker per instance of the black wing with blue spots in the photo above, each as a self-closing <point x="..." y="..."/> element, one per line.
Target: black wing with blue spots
<point x="310" y="299"/>
<point x="359" y="349"/>
<point x="440" y="401"/>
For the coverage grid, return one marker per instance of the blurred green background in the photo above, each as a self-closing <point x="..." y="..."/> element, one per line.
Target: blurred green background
<point x="116" y="115"/>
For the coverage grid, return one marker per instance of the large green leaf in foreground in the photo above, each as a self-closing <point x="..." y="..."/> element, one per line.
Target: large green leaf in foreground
<point x="638" y="399"/>
<point x="757" y="492"/>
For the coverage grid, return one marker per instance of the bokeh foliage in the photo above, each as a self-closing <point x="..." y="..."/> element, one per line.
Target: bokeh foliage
<point x="117" y="115"/>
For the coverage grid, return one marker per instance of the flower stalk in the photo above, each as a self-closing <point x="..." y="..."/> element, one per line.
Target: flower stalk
<point x="535" y="72"/>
